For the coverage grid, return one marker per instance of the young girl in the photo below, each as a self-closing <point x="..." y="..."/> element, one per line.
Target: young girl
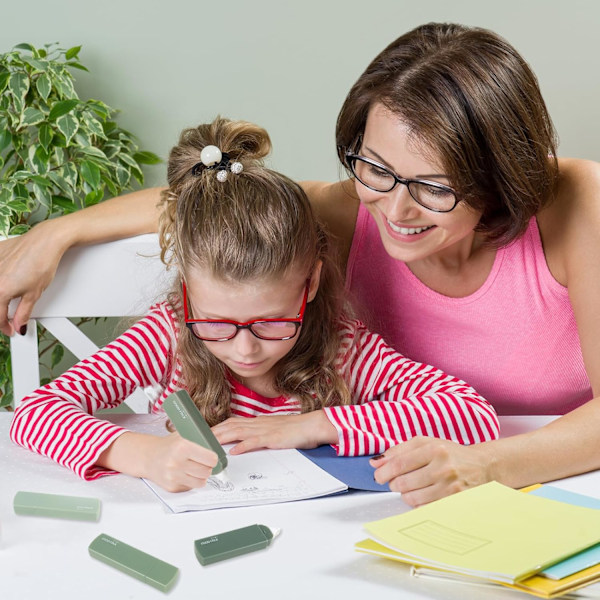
<point x="254" y="327"/>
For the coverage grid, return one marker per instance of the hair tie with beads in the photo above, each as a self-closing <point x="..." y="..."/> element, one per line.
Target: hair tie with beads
<point x="211" y="157"/>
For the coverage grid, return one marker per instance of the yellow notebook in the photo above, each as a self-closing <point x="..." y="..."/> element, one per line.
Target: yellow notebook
<point x="490" y="531"/>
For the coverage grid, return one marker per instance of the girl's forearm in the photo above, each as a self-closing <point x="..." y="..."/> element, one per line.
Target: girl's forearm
<point x="129" y="454"/>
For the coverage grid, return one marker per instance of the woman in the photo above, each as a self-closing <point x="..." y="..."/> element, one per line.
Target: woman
<point x="464" y="243"/>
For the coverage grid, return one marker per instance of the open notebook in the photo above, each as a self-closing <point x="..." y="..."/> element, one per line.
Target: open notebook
<point x="261" y="477"/>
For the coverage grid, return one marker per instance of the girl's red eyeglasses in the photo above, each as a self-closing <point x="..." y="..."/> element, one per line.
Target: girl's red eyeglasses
<point x="220" y="330"/>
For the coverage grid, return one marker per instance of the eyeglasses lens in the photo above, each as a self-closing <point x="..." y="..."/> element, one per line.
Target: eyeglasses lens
<point x="275" y="330"/>
<point x="432" y="197"/>
<point x="371" y="175"/>
<point x="269" y="330"/>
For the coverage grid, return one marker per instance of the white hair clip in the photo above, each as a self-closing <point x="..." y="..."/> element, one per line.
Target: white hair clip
<point x="211" y="157"/>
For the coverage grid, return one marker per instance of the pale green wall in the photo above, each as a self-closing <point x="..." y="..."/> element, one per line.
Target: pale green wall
<point x="287" y="65"/>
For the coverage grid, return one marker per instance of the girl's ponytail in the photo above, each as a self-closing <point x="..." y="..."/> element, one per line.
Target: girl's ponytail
<point x="242" y="141"/>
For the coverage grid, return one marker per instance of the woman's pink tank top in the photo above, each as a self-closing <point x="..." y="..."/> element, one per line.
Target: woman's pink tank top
<point x="514" y="339"/>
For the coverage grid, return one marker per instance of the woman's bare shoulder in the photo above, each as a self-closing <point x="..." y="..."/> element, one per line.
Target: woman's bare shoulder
<point x="577" y="192"/>
<point x="571" y="221"/>
<point x="336" y="205"/>
<point x="578" y="184"/>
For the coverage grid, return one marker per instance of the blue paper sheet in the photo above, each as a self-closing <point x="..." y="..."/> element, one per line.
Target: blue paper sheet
<point x="354" y="471"/>
<point x="555" y="493"/>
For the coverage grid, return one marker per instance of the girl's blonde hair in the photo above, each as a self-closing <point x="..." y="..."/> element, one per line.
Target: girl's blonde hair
<point x="257" y="224"/>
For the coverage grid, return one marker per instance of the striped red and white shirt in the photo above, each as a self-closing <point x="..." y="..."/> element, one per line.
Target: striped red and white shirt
<point x="394" y="398"/>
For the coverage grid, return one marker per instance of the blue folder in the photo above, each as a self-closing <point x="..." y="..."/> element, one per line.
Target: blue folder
<point x="354" y="471"/>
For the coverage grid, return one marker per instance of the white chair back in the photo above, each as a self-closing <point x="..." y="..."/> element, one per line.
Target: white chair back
<point x="114" y="279"/>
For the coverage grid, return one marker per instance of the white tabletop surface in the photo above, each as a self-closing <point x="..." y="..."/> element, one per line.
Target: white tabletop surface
<point x="312" y="558"/>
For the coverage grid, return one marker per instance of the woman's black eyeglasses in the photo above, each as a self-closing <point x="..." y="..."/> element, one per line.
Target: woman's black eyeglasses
<point x="379" y="178"/>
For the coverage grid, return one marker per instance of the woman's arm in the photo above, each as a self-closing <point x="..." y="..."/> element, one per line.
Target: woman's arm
<point x="28" y="262"/>
<point x="426" y="470"/>
<point x="570" y="230"/>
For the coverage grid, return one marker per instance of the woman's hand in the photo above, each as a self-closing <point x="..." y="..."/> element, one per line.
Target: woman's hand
<point x="308" y="430"/>
<point x="174" y="463"/>
<point x="424" y="469"/>
<point x="27" y="266"/>
<point x="28" y="263"/>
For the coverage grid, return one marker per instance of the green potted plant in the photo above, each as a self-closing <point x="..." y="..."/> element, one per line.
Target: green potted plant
<point x="58" y="153"/>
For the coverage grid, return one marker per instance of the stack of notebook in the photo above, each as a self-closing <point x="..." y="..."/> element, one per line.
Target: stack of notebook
<point x="546" y="542"/>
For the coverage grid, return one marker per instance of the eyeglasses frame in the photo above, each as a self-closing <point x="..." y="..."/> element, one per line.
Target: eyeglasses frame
<point x="351" y="157"/>
<point x="248" y="324"/>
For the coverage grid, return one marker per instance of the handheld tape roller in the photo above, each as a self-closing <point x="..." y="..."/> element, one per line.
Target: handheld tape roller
<point x="190" y="424"/>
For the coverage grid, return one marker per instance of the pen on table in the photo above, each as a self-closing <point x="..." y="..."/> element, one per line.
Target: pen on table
<point x="191" y="425"/>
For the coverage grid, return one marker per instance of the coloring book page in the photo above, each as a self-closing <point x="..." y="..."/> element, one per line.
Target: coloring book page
<point x="260" y="477"/>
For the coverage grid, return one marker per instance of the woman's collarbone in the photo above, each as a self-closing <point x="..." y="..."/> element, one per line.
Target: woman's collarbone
<point x="455" y="279"/>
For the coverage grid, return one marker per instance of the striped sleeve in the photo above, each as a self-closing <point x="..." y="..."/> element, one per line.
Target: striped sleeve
<point x="395" y="398"/>
<point x="57" y="419"/>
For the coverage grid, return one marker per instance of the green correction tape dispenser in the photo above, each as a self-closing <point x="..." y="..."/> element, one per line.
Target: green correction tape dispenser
<point x="190" y="424"/>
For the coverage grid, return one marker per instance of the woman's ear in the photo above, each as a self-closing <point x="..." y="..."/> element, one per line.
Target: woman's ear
<point x="315" y="280"/>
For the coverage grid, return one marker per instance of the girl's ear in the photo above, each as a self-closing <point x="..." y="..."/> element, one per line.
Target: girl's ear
<point x="315" y="280"/>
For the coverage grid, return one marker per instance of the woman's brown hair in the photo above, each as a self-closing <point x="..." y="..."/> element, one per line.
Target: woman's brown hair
<point x="256" y="224"/>
<point x="473" y="102"/>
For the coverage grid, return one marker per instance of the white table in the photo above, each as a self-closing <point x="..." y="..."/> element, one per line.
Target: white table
<point x="313" y="557"/>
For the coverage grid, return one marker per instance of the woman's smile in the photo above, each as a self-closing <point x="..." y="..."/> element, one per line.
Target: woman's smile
<point x="408" y="231"/>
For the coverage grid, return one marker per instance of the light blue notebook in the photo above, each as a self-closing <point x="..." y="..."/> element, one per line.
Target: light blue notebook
<point x="582" y="560"/>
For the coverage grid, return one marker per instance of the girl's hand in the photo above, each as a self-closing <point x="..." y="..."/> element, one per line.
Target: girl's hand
<point x="176" y="464"/>
<point x="308" y="430"/>
<point x="424" y="469"/>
